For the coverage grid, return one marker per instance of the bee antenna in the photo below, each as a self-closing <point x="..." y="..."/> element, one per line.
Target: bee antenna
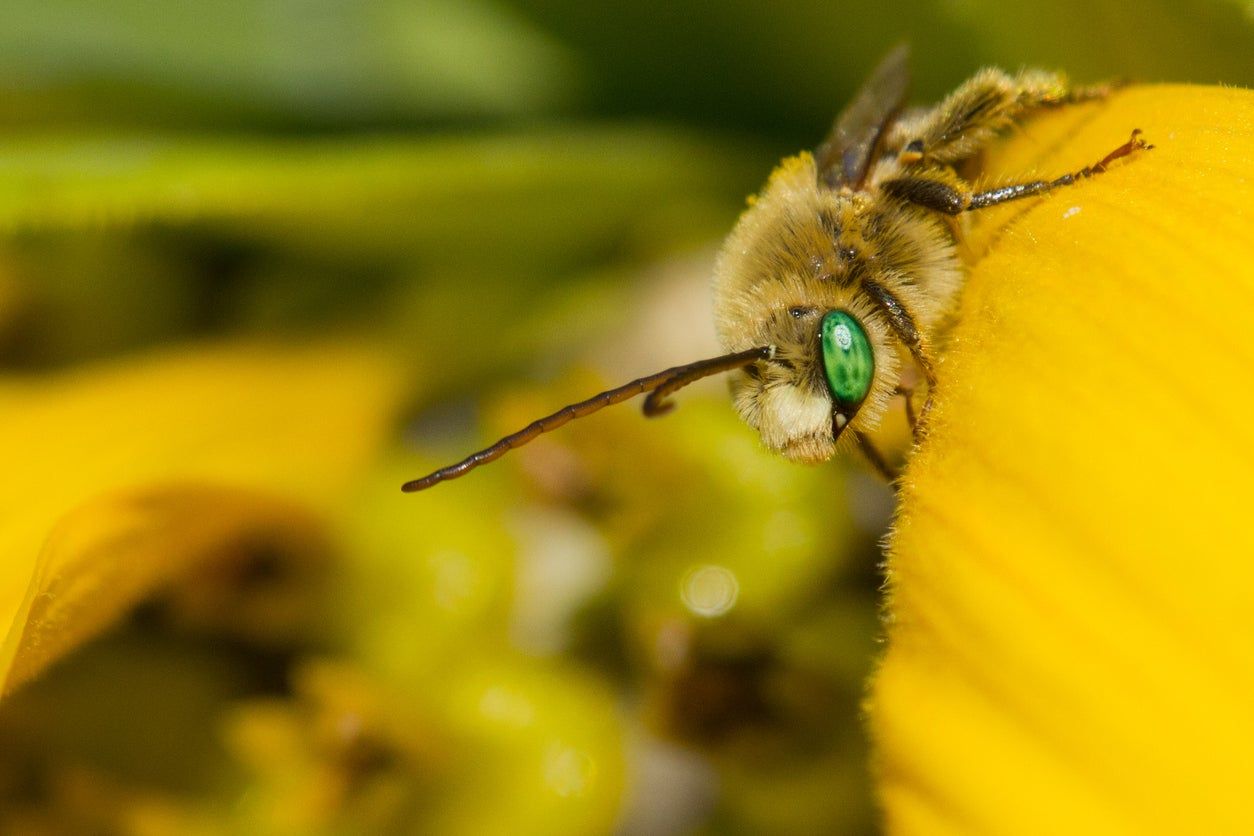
<point x="677" y="378"/>
<point x="658" y="385"/>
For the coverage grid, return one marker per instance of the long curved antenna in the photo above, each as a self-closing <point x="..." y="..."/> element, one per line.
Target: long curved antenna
<point x="680" y="376"/>
<point x="663" y="382"/>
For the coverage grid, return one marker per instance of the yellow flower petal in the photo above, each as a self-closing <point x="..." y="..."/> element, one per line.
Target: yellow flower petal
<point x="1071" y="640"/>
<point x="121" y="476"/>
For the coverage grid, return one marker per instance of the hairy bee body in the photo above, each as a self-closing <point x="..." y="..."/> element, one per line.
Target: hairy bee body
<point x="801" y="250"/>
<point x="868" y="227"/>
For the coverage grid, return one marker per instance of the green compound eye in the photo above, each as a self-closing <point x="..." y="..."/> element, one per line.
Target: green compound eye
<point x="848" y="360"/>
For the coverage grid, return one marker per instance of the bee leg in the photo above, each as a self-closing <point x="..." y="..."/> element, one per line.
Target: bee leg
<point x="980" y="109"/>
<point x="1087" y="93"/>
<point x="950" y="199"/>
<point x="1003" y="194"/>
<point x="924" y="361"/>
<point x="903" y="326"/>
<point x="929" y="193"/>
<point x="877" y="460"/>
<point x="907" y="394"/>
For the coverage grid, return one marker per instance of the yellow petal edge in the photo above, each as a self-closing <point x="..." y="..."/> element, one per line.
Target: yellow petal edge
<point x="123" y="476"/>
<point x="1071" y="610"/>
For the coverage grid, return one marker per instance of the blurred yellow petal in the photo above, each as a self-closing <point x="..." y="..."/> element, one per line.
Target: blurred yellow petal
<point x="122" y="476"/>
<point x="1071" y="640"/>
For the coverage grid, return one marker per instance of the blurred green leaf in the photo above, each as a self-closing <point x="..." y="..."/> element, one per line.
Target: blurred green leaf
<point x="423" y="190"/>
<point x="110" y="243"/>
<point x="285" y="62"/>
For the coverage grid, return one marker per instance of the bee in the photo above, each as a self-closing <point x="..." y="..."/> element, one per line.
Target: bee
<point x="843" y="271"/>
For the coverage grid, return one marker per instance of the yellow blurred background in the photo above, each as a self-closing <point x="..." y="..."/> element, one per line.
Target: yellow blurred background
<point x="261" y="262"/>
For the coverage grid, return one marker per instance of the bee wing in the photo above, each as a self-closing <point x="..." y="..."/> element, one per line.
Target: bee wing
<point x="846" y="155"/>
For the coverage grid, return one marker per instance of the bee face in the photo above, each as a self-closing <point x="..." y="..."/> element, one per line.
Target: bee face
<point x="832" y="369"/>
<point x="786" y="279"/>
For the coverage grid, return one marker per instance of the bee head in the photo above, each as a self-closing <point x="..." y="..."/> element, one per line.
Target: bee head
<point x="830" y="369"/>
<point x="785" y="280"/>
